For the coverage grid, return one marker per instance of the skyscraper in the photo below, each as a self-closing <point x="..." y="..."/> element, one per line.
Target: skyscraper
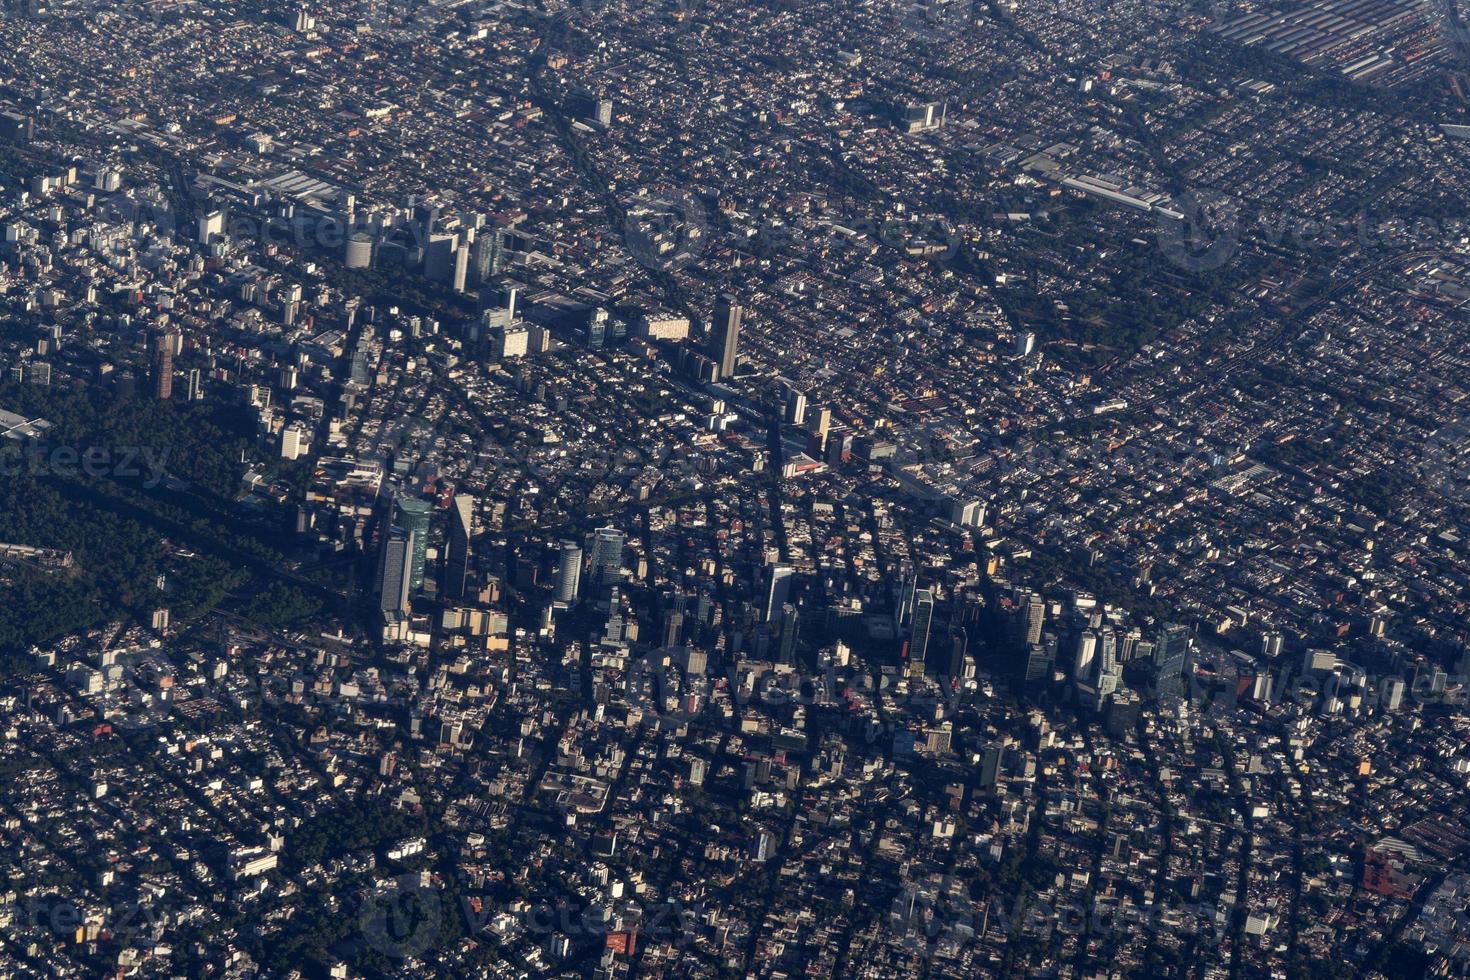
<point x="395" y="564"/>
<point x="412" y="514"/>
<point x="724" y="337"/>
<point x="162" y="368"/>
<point x="457" y="554"/>
<point x="1086" y="654"/>
<point x="607" y="554"/>
<point x="1035" y="618"/>
<point x="778" y="590"/>
<point x="569" y="572"/>
<point x="1171" y="659"/>
<point x="790" y="630"/>
<point x="795" y="407"/>
<point x="919" y="632"/>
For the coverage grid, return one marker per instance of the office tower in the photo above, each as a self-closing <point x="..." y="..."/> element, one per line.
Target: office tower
<point x="967" y="513"/>
<point x="989" y="766"/>
<point x="395" y="565"/>
<point x="488" y="258"/>
<point x="1039" y="660"/>
<point x="1086" y="654"/>
<point x="597" y="328"/>
<point x="1171" y="659"/>
<point x="673" y="632"/>
<point x="359" y="251"/>
<point x="602" y="112"/>
<point x="821" y="427"/>
<point x="724" y="338"/>
<point x="959" y="646"/>
<point x="1123" y="711"/>
<point x="457" y="553"/>
<point x="795" y="407"/>
<point x="922" y="117"/>
<point x="1035" y="618"/>
<point x="439" y="255"/>
<point x="459" y="279"/>
<point x="412" y="514"/>
<point x="16" y="127"/>
<point x="293" y="442"/>
<point x="904" y="606"/>
<point x="569" y="572"/>
<point x="1393" y="694"/>
<point x="790" y="630"/>
<point x="919" y="631"/>
<point x="778" y="590"/>
<point x="211" y="226"/>
<point x="162" y="370"/>
<point x="607" y="554"/>
<point x="1107" y="652"/>
<point x="196" y="390"/>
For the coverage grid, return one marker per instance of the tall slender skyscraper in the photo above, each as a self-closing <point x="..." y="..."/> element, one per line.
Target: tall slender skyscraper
<point x="162" y="367"/>
<point x="395" y="564"/>
<point x="790" y="631"/>
<point x="569" y="572"/>
<point x="457" y="554"/>
<point x="724" y="338"/>
<point x="412" y="514"/>
<point x="919" y="633"/>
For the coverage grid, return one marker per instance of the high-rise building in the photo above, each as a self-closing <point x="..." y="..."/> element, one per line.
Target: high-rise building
<point x="395" y="565"/>
<point x="569" y="572"/>
<point x="1086" y="654"/>
<point x="358" y="252"/>
<point x="673" y="631"/>
<point x="413" y="514"/>
<point x="162" y="368"/>
<point x="724" y="337"/>
<point x="795" y="407"/>
<point x="1035" y="618"/>
<point x="1040" y="660"/>
<point x="457" y="552"/>
<point x="967" y="513"/>
<point x="607" y="554"/>
<point x="211" y="226"/>
<point x="822" y="426"/>
<point x="790" y="630"/>
<point x="919" y="631"/>
<point x="1171" y="659"/>
<point x="990" y="765"/>
<point x="778" y="590"/>
<point x="959" y="647"/>
<point x="488" y="258"/>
